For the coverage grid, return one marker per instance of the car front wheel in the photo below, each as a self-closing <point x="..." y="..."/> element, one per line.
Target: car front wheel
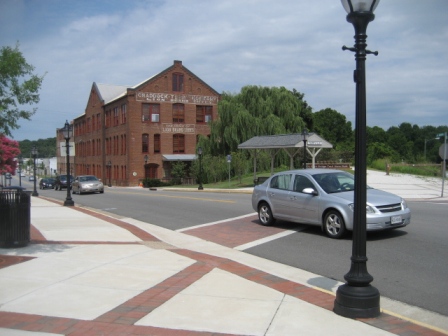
<point x="265" y="214"/>
<point x="334" y="225"/>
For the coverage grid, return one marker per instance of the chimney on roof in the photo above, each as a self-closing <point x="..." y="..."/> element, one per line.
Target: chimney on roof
<point x="178" y="63"/>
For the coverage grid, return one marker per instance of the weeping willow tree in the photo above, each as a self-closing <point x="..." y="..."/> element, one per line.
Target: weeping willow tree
<point x="253" y="112"/>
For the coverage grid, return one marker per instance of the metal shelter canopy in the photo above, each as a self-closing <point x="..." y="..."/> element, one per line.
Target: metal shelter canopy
<point x="291" y="143"/>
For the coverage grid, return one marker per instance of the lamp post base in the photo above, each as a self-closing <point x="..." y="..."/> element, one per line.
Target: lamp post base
<point x="357" y="302"/>
<point x="69" y="202"/>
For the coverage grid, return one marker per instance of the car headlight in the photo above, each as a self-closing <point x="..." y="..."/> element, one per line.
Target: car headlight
<point x="404" y="205"/>
<point x="369" y="208"/>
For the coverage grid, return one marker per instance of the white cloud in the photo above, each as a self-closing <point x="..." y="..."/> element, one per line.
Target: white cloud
<point x="296" y="44"/>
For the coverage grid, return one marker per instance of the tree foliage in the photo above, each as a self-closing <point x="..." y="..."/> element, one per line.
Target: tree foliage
<point x="333" y="127"/>
<point x="19" y="86"/>
<point x="9" y="150"/>
<point x="253" y="112"/>
<point x="45" y="147"/>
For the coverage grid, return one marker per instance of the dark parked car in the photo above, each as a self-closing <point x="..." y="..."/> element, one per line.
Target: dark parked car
<point x="324" y="197"/>
<point x="61" y="182"/>
<point x="47" y="183"/>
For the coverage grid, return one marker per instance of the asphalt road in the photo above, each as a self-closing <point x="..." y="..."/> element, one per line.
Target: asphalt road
<point x="409" y="264"/>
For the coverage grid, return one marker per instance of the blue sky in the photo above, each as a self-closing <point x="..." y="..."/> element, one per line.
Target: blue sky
<point x="230" y="44"/>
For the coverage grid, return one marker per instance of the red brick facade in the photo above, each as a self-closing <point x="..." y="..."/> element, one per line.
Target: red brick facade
<point x="153" y="120"/>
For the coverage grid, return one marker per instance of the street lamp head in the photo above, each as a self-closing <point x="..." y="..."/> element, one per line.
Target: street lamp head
<point x="109" y="164"/>
<point x="20" y="159"/>
<point x="146" y="159"/>
<point x="200" y="150"/>
<point x="66" y="131"/>
<point x="360" y="6"/>
<point x="34" y="151"/>
<point x="305" y="134"/>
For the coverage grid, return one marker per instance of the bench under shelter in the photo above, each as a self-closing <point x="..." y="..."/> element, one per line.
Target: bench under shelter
<point x="292" y="144"/>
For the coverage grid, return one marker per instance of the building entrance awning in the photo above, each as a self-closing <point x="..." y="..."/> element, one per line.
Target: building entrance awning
<point x="179" y="157"/>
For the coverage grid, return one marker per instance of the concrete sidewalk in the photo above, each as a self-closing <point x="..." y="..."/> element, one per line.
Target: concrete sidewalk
<point x="410" y="187"/>
<point x="85" y="273"/>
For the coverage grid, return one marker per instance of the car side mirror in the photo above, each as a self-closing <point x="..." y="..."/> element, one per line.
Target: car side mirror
<point x="310" y="191"/>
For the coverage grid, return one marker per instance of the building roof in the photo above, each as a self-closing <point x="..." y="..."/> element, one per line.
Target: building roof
<point x="110" y="92"/>
<point x="284" y="141"/>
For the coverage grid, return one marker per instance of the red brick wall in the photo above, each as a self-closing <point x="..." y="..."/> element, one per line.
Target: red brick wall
<point x="133" y="160"/>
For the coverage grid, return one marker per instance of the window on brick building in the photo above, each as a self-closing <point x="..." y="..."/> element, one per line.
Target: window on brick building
<point x="178" y="113"/>
<point x="178" y="82"/>
<point x="178" y="143"/>
<point x="204" y="114"/>
<point x="145" y="143"/>
<point x="124" y="113"/>
<point x="116" y="116"/>
<point x="150" y="113"/>
<point x="98" y="121"/>
<point x="156" y="143"/>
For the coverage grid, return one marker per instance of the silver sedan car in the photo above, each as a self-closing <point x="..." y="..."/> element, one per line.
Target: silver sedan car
<point x="87" y="183"/>
<point x="324" y="197"/>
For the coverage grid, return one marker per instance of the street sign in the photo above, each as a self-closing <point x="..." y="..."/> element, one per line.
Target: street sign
<point x="443" y="151"/>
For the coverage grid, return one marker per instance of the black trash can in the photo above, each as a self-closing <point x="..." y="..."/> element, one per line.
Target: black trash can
<point x="15" y="218"/>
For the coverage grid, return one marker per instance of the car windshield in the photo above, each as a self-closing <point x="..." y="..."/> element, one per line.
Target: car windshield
<point x="335" y="182"/>
<point x="87" y="178"/>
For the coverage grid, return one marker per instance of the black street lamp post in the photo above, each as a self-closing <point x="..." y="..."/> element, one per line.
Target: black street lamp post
<point x="304" y="138"/>
<point x="200" y="168"/>
<point x="357" y="298"/>
<point x="34" y="154"/>
<point x="20" y="160"/>
<point x="109" y="166"/>
<point x="67" y="132"/>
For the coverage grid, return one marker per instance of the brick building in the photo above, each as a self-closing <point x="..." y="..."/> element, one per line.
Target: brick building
<point x="130" y="133"/>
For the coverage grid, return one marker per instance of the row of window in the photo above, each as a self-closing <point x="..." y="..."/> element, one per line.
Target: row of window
<point x="116" y="145"/>
<point x="151" y="113"/>
<point x="178" y="143"/>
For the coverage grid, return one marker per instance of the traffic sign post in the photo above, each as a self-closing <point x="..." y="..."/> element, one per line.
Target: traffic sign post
<point x="229" y="160"/>
<point x="443" y="154"/>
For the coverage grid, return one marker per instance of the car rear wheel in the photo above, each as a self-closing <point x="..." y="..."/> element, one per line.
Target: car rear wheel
<point x="265" y="214"/>
<point x="334" y="225"/>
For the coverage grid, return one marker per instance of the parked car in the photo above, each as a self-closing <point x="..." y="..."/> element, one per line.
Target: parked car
<point x="61" y="182"/>
<point x="324" y="197"/>
<point x="47" y="183"/>
<point x="87" y="183"/>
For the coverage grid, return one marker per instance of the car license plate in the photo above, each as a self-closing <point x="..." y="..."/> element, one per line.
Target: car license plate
<point x="396" y="220"/>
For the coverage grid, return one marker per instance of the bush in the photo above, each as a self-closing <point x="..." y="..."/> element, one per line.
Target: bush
<point x="153" y="183"/>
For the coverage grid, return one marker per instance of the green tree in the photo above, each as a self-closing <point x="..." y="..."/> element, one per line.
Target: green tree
<point x="18" y="87"/>
<point x="46" y="147"/>
<point x="178" y="171"/>
<point x="253" y="112"/>
<point x="239" y="164"/>
<point x="333" y="127"/>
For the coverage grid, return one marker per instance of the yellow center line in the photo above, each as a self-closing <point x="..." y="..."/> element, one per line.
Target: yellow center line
<point x="180" y="197"/>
